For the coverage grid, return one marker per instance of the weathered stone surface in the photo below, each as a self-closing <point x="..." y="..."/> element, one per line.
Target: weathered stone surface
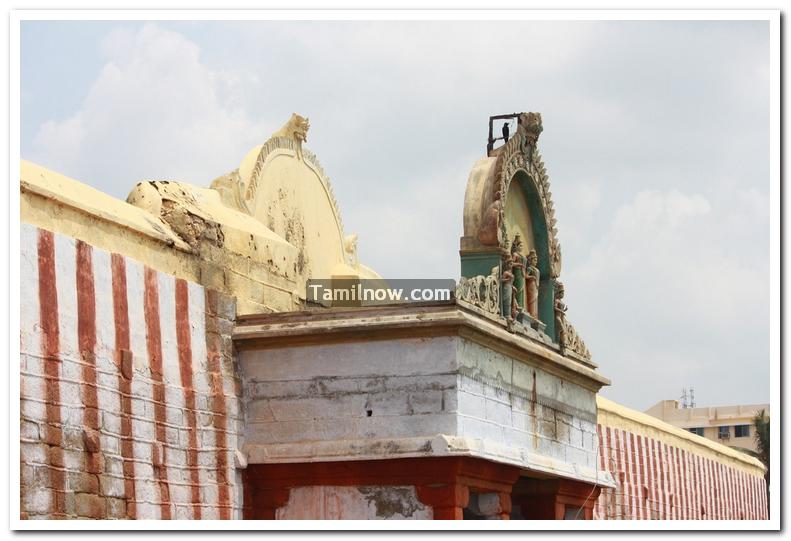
<point x="90" y="506"/>
<point x="391" y="398"/>
<point x="350" y="503"/>
<point x="91" y="441"/>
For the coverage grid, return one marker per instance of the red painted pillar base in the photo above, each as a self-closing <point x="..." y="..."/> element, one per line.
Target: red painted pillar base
<point x="443" y="483"/>
<point x="447" y="501"/>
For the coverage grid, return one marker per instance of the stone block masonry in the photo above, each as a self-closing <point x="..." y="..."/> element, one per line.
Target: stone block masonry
<point x="130" y="403"/>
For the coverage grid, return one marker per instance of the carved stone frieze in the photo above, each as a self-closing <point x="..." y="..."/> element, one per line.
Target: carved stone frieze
<point x="481" y="291"/>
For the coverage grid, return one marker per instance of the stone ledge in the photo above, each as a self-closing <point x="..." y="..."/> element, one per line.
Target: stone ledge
<point x="323" y="326"/>
<point x="438" y="446"/>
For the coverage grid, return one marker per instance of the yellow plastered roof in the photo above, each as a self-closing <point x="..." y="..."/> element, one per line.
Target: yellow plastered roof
<point x="62" y="189"/>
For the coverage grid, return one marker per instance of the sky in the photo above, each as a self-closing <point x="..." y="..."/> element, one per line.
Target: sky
<point x="656" y="141"/>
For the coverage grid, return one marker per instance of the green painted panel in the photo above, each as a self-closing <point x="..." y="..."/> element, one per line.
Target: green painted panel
<point x="479" y="264"/>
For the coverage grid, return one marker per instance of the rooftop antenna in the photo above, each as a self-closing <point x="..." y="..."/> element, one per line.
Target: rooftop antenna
<point x="684" y="398"/>
<point x="691" y="397"/>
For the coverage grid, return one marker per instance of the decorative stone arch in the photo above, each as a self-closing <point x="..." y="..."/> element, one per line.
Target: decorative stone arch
<point x="520" y="157"/>
<point x="283" y="186"/>
<point x="486" y="245"/>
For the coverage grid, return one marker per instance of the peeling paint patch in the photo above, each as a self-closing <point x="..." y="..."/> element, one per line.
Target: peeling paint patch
<point x="392" y="502"/>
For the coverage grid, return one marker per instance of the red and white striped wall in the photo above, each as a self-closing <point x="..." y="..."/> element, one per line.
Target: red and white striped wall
<point x="659" y="481"/>
<point x="129" y="406"/>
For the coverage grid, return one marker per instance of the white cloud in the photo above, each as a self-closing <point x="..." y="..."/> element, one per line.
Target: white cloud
<point x="664" y="294"/>
<point x="155" y="111"/>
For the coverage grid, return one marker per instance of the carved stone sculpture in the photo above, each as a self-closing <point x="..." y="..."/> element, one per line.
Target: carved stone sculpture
<point x="568" y="339"/>
<point x="510" y="307"/>
<point x="297" y="129"/>
<point x="560" y="316"/>
<point x="532" y="279"/>
<point x="350" y="247"/>
<point x="518" y="266"/>
<point x="490" y="228"/>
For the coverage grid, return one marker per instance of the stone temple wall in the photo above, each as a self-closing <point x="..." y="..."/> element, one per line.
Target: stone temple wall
<point x="663" y="472"/>
<point x="129" y="403"/>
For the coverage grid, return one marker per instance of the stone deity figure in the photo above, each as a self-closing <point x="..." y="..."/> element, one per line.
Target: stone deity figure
<point x="518" y="264"/>
<point x="560" y="316"/>
<point x="510" y="307"/>
<point x="532" y="278"/>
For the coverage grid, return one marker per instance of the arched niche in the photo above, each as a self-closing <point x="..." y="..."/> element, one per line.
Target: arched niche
<point x="524" y="214"/>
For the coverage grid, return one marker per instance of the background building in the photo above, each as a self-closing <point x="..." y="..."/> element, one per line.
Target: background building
<point x="728" y="425"/>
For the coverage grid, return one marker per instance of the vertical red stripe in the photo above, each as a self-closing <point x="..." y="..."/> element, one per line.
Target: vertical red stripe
<point x="704" y="491"/>
<point x="694" y="489"/>
<point x="86" y="337"/>
<point x="711" y="512"/>
<point x="154" y="347"/>
<point x="721" y="490"/>
<point x="664" y="486"/>
<point x="601" y="468"/>
<point x="701" y="482"/>
<point x="706" y="486"/>
<point x="737" y="474"/>
<point x="678" y="493"/>
<point x="732" y="500"/>
<point x="635" y="481"/>
<point x="736" y="493"/>
<point x="219" y="418"/>
<point x="618" y="496"/>
<point x="673" y="479"/>
<point x="672" y="483"/>
<point x="641" y="503"/>
<point x="662" y="464"/>
<point x="763" y="510"/>
<point x="610" y="467"/>
<point x="685" y="484"/>
<point x="184" y="342"/>
<point x="728" y="494"/>
<point x="123" y="360"/>
<point x="50" y="350"/>
<point x="714" y="513"/>
<point x="629" y="440"/>
<point x="749" y="483"/>
<point x="690" y="486"/>
<point x="724" y="491"/>
<point x="764" y="498"/>
<point x="682" y="484"/>
<point x="652" y="478"/>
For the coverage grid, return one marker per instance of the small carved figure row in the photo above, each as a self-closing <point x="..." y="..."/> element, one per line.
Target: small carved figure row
<point x="520" y="278"/>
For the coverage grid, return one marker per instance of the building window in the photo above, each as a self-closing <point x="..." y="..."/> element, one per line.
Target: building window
<point x="697" y="430"/>
<point x="741" y="431"/>
<point x="724" y="432"/>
